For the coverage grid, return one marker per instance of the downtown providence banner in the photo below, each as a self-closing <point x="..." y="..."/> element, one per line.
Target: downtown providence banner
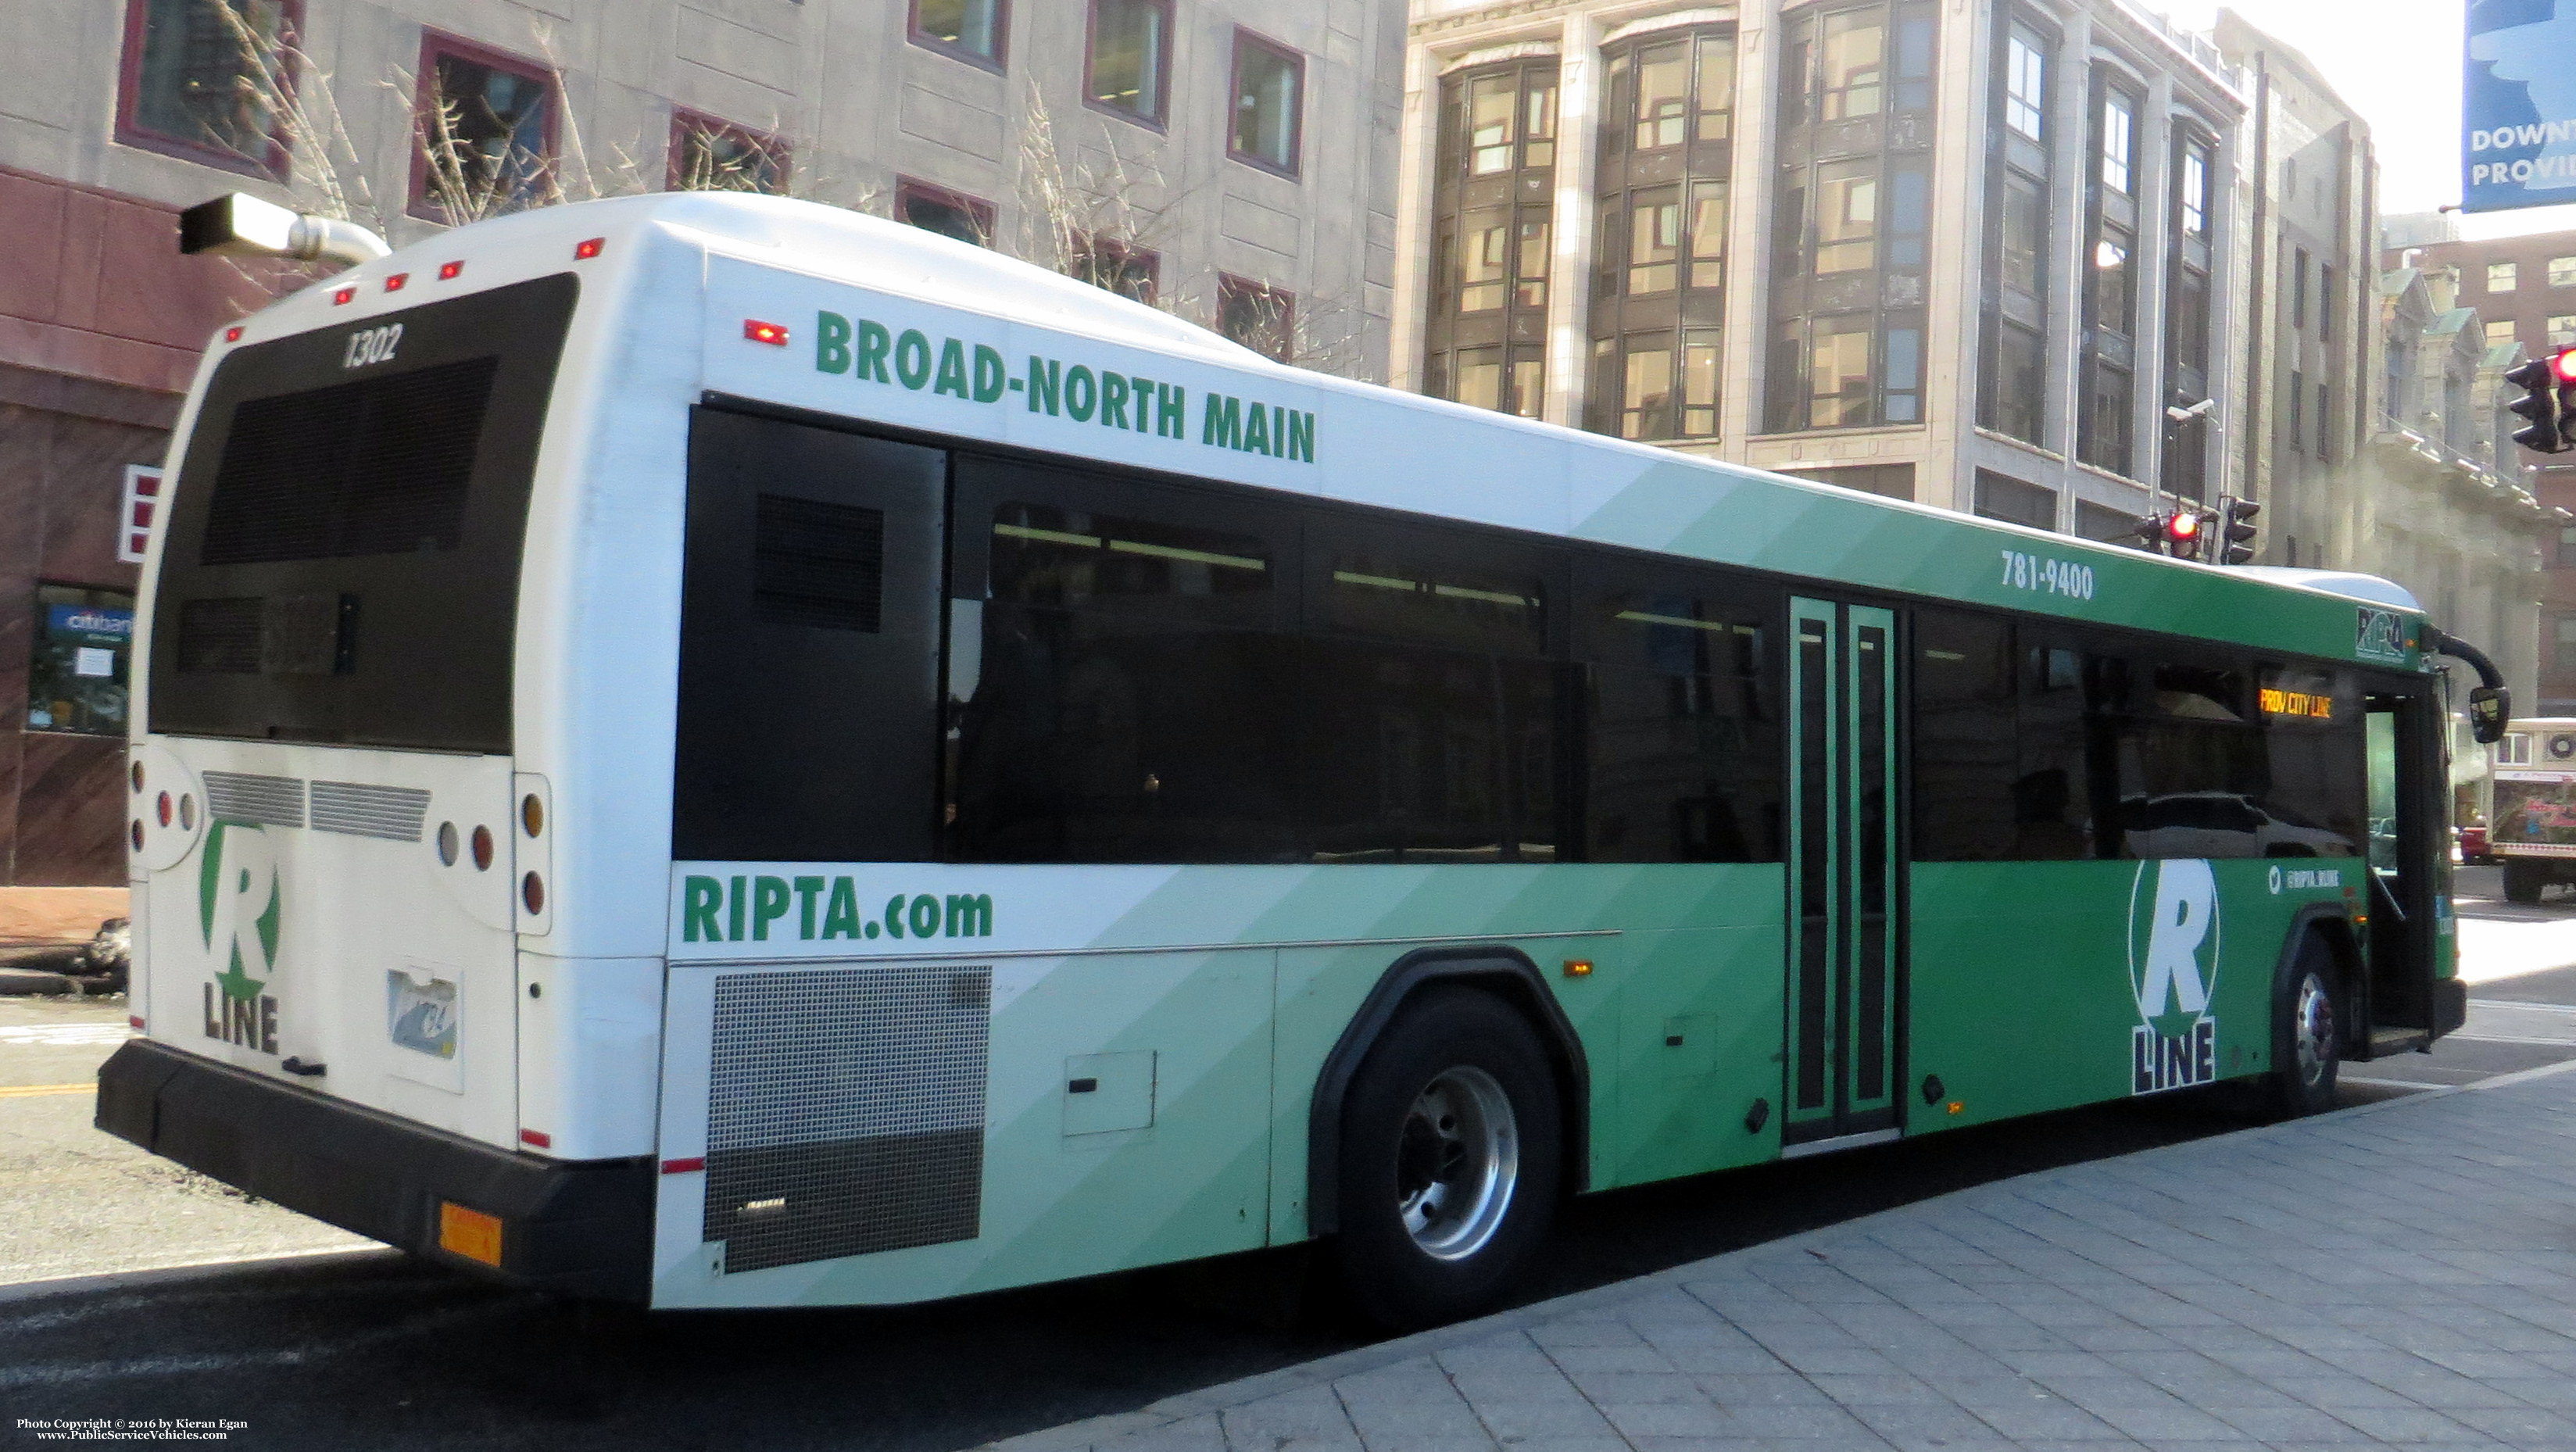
<point x="2518" y="105"/>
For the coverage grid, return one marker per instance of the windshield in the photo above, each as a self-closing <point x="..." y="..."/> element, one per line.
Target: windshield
<point x="343" y="558"/>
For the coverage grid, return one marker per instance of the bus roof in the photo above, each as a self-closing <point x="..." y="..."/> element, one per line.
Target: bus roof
<point x="1613" y="490"/>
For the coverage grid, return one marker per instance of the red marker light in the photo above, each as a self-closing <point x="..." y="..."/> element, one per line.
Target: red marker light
<point x="774" y="334"/>
<point x="395" y="282"/>
<point x="687" y="1166"/>
<point x="232" y="335"/>
<point x="447" y="271"/>
<point x="589" y="249"/>
<point x="134" y="1021"/>
<point x="343" y="295"/>
<point x="2563" y="363"/>
<point x="537" y="1137"/>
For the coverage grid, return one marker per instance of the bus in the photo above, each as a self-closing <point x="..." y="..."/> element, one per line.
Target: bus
<point x="713" y="751"/>
<point x="2531" y="826"/>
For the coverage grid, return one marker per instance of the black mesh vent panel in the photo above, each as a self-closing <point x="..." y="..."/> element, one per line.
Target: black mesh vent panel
<point x="375" y="467"/>
<point x="220" y="635"/>
<point x="817" y="563"/>
<point x="845" y="1112"/>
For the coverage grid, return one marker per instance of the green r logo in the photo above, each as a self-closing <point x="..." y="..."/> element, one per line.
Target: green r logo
<point x="237" y="908"/>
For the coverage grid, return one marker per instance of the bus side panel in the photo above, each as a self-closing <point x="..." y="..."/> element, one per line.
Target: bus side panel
<point x="2042" y="985"/>
<point x="589" y="1052"/>
<point x="1120" y="1116"/>
<point x="1701" y="1021"/>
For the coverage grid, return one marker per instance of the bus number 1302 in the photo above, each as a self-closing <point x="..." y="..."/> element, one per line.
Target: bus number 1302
<point x="2054" y="577"/>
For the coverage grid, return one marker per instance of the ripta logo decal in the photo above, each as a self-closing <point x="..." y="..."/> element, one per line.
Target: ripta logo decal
<point x="237" y="911"/>
<point x="2173" y="972"/>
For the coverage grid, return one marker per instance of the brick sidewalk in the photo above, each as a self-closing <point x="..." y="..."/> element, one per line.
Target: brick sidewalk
<point x="2403" y="1273"/>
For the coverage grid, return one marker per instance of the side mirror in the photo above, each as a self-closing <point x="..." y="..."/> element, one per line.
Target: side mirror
<point x="2489" y="708"/>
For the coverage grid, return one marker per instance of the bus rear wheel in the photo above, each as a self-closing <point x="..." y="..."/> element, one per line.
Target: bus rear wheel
<point x="2307" y="1043"/>
<point x="1450" y="1160"/>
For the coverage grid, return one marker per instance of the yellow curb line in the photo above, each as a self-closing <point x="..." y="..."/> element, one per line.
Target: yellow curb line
<point x="22" y="1091"/>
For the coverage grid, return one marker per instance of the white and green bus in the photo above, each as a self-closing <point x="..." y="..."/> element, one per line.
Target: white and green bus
<point x="715" y="751"/>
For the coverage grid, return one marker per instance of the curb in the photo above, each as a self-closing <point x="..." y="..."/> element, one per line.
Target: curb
<point x="196" y="1270"/>
<point x="28" y="982"/>
<point x="1074" y="1436"/>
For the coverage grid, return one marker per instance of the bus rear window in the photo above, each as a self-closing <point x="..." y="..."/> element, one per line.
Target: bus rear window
<point x="343" y="561"/>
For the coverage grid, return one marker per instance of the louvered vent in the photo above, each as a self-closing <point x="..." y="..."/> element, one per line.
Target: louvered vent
<point x="818" y="564"/>
<point x="845" y="1112"/>
<point x="266" y="801"/>
<point x="375" y="467"/>
<point x="360" y="810"/>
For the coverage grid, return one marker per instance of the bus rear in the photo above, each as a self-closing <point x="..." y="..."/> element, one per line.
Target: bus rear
<point x="342" y="855"/>
<point x="2532" y="828"/>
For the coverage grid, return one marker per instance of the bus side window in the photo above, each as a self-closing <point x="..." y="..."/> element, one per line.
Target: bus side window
<point x="1681" y="750"/>
<point x="1968" y="793"/>
<point x="2056" y="808"/>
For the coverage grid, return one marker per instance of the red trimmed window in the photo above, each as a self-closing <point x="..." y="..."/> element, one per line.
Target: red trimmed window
<point x="209" y="80"/>
<point x="709" y="155"/>
<point x="1257" y="315"/>
<point x="937" y="209"/>
<point x="483" y="131"/>
<point x="974" y="31"/>
<point x="1120" y="267"/>
<point x="1269" y="104"/>
<point x="1127" y="66"/>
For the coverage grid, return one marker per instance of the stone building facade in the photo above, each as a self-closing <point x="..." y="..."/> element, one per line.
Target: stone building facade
<point x="1961" y="253"/>
<point x="1234" y="162"/>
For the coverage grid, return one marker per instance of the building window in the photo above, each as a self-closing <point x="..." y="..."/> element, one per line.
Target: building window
<point x="708" y="155"/>
<point x="207" y="79"/>
<point x="2501" y="331"/>
<point x="1888" y="481"/>
<point x="937" y="209"/>
<point x="2012" y="390"/>
<point x="2105" y="523"/>
<point x="2325" y="423"/>
<point x="2566" y="656"/>
<point x="2562" y="330"/>
<point x="2298" y="288"/>
<point x="2500" y="277"/>
<point x="2297" y="417"/>
<point x="1485" y="338"/>
<point x="2119" y="146"/>
<point x="1130" y="57"/>
<point x="2325" y="303"/>
<point x="2562" y="272"/>
<point x="2185" y="466"/>
<point x="1851" y="206"/>
<point x="2566" y="545"/>
<point x="1667" y="159"/>
<point x="2000" y="496"/>
<point x="1114" y="266"/>
<point x="2109" y="353"/>
<point x="1269" y="97"/>
<point x="484" y="131"/>
<point x="76" y="680"/>
<point x="1257" y="315"/>
<point x="974" y="31"/>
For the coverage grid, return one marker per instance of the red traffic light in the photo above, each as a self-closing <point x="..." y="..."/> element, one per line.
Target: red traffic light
<point x="2183" y="526"/>
<point x="2563" y="363"/>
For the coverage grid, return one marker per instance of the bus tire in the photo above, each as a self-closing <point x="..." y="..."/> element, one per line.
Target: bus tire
<point x="1450" y="1162"/>
<point x="2523" y="882"/>
<point x="2307" y="1030"/>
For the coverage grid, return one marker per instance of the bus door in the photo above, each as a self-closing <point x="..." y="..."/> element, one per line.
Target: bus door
<point x="1843" y="941"/>
<point x="2409" y="845"/>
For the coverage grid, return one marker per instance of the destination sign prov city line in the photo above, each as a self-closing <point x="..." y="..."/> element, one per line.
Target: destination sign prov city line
<point x="871" y="352"/>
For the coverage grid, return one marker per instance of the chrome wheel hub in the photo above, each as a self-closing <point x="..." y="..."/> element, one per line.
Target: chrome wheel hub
<point x="1457" y="1162"/>
<point x="2312" y="1031"/>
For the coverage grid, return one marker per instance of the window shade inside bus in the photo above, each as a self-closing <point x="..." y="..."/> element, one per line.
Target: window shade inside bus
<point x="376" y="467"/>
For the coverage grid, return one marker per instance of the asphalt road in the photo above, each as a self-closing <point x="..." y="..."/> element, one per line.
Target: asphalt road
<point x="369" y="1349"/>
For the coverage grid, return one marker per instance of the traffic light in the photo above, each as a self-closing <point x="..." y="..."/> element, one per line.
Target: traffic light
<point x="2545" y="384"/>
<point x="2562" y="366"/>
<point x="2177" y="533"/>
<point x="2236" y="529"/>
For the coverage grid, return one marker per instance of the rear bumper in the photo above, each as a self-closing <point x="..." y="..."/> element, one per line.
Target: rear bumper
<point x="2450" y="1004"/>
<point x="582" y="1229"/>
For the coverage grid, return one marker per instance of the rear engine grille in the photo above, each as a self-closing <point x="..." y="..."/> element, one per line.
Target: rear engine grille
<point x="393" y="813"/>
<point x="845" y="1111"/>
<point x="267" y="801"/>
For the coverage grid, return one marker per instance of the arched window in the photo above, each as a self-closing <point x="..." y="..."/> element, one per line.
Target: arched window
<point x="1486" y="342"/>
<point x="1659" y="249"/>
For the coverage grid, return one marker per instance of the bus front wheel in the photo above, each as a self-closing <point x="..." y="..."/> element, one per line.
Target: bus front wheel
<point x="2307" y="1043"/>
<point x="1450" y="1160"/>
